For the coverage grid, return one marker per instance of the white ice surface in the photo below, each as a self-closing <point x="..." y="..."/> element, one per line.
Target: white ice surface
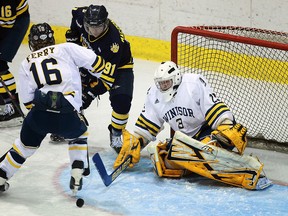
<point x="40" y="187"/>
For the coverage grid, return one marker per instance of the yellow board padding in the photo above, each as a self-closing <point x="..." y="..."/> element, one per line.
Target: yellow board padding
<point x="235" y="64"/>
<point x="142" y="48"/>
<point x="230" y="63"/>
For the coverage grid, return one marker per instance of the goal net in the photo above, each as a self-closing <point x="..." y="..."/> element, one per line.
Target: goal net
<point x="246" y="67"/>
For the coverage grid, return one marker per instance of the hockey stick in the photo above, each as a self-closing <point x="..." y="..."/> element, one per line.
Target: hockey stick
<point x="106" y="178"/>
<point x="12" y="98"/>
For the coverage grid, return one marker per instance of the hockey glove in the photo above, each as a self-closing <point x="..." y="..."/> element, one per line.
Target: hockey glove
<point x="131" y="146"/>
<point x="72" y="37"/>
<point x="86" y="77"/>
<point x="232" y="136"/>
<point x="87" y="97"/>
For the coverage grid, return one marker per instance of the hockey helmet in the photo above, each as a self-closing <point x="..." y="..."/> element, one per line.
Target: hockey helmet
<point x="167" y="79"/>
<point x="41" y="35"/>
<point x="95" y="20"/>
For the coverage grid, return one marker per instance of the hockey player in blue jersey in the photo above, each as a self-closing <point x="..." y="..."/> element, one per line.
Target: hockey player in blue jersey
<point x="14" y="22"/>
<point x="91" y="27"/>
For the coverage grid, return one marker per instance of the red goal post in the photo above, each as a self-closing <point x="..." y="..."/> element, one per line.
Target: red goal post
<point x="246" y="67"/>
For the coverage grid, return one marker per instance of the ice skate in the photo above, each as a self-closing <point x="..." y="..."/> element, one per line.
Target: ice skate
<point x="76" y="180"/>
<point x="9" y="116"/>
<point x="115" y="139"/>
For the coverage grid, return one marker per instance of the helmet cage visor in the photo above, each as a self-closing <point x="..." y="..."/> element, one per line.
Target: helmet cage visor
<point x="95" y="30"/>
<point x="164" y="84"/>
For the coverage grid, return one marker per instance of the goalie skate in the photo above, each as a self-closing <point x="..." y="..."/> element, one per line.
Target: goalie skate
<point x="263" y="182"/>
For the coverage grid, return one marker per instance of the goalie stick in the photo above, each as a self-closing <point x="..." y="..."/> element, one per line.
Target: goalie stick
<point x="106" y="178"/>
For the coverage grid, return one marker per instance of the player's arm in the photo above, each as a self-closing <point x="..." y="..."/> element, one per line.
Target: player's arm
<point x="220" y="118"/>
<point x="22" y="9"/>
<point x="106" y="80"/>
<point x="73" y="34"/>
<point x="17" y="24"/>
<point x="26" y="92"/>
<point x="94" y="88"/>
<point x="147" y="127"/>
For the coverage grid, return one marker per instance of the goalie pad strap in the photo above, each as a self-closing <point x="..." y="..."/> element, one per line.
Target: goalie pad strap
<point x="163" y="167"/>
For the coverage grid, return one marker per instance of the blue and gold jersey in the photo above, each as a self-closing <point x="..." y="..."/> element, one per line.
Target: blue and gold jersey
<point x="10" y="10"/>
<point x="111" y="45"/>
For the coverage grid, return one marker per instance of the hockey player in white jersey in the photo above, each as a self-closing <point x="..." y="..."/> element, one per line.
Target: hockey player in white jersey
<point x="206" y="132"/>
<point x="50" y="87"/>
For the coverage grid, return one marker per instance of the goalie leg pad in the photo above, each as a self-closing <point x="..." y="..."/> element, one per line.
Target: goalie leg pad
<point x="162" y="166"/>
<point x="215" y="163"/>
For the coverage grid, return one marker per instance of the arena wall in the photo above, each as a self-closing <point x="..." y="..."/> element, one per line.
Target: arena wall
<point x="148" y="24"/>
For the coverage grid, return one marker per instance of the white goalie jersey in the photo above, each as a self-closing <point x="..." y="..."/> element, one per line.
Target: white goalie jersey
<point x="194" y="106"/>
<point x="55" y="68"/>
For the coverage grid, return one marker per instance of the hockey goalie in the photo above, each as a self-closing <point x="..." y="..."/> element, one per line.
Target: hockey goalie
<point x="207" y="141"/>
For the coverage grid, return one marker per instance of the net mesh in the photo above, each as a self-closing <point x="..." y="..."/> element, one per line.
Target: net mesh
<point x="246" y="67"/>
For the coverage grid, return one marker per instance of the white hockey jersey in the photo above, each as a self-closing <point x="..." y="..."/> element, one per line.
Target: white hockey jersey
<point x="194" y="106"/>
<point x="55" y="68"/>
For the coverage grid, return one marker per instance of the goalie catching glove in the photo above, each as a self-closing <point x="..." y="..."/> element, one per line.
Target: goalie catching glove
<point x="131" y="146"/>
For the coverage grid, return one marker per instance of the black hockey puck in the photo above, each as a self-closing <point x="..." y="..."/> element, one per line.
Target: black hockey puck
<point x="80" y="202"/>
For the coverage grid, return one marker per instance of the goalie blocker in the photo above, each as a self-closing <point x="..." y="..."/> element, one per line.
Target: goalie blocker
<point x="212" y="162"/>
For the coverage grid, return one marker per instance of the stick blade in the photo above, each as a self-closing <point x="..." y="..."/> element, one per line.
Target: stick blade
<point x="101" y="169"/>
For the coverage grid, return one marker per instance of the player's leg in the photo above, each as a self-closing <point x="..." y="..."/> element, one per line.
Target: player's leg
<point x="86" y="79"/>
<point x="70" y="125"/>
<point x="79" y="160"/>
<point x="9" y="44"/>
<point x="8" y="109"/>
<point x="23" y="148"/>
<point x="121" y="96"/>
<point x="75" y="130"/>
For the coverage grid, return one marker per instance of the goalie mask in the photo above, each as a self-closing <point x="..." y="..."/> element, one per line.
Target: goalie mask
<point x="167" y="78"/>
<point x="41" y="35"/>
<point x="95" y="20"/>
